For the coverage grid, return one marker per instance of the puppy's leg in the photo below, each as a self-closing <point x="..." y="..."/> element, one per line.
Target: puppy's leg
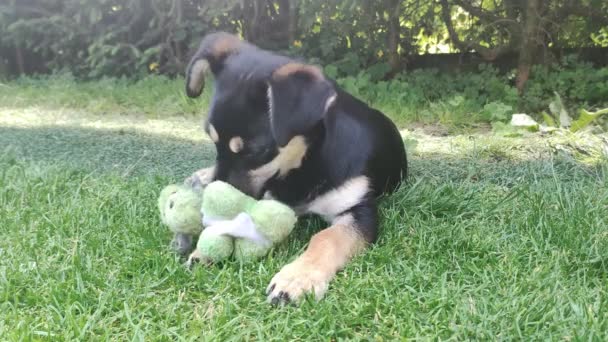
<point x="194" y="258"/>
<point x="182" y="243"/>
<point x="201" y="178"/>
<point x="327" y="253"/>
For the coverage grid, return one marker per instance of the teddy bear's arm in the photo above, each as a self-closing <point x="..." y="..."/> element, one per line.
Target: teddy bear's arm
<point x="242" y="226"/>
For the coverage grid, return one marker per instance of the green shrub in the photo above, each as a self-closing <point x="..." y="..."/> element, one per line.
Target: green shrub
<point x="578" y="83"/>
<point x="486" y="95"/>
<point x="425" y="95"/>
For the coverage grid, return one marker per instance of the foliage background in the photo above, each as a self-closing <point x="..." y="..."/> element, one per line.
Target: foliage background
<point x="478" y="58"/>
<point x="494" y="235"/>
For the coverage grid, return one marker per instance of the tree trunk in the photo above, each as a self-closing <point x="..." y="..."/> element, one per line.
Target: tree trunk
<point x="19" y="60"/>
<point x="282" y="25"/>
<point x="179" y="46"/>
<point x="529" y="45"/>
<point x="293" y="21"/>
<point x="394" y="32"/>
<point x="253" y="20"/>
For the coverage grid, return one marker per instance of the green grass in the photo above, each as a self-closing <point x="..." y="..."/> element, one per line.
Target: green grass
<point x="162" y="97"/>
<point x="493" y="238"/>
<point x="155" y="96"/>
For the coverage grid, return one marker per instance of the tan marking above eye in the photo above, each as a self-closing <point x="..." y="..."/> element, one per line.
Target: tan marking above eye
<point x="236" y="144"/>
<point x="213" y="134"/>
<point x="225" y="45"/>
<point x="291" y="68"/>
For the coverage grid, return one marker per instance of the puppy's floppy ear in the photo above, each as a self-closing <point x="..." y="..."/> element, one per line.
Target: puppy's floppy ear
<point x="213" y="50"/>
<point x="299" y="97"/>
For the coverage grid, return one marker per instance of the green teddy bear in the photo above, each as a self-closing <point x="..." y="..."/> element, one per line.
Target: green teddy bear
<point x="229" y="222"/>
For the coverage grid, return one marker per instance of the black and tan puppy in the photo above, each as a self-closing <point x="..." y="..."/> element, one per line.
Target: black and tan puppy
<point x="282" y="129"/>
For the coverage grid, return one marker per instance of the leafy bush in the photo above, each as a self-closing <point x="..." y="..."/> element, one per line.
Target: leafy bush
<point x="578" y="83"/>
<point x="423" y="95"/>
<point x="486" y="95"/>
<point x="497" y="111"/>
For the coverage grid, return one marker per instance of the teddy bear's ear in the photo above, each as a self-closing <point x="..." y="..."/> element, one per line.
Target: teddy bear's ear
<point x="299" y="97"/>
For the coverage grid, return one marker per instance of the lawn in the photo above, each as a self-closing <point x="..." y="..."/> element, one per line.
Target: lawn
<point x="491" y="238"/>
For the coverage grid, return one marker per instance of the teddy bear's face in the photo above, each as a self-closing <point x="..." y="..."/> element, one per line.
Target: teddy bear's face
<point x="181" y="211"/>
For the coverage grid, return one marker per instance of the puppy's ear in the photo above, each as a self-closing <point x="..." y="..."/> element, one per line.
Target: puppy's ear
<point x="299" y="96"/>
<point x="213" y="50"/>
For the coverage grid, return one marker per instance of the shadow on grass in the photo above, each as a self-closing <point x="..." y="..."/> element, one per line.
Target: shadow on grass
<point x="104" y="150"/>
<point x="134" y="152"/>
<point x="444" y="186"/>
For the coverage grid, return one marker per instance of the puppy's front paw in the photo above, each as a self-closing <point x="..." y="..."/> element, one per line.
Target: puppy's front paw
<point x="193" y="181"/>
<point x="294" y="281"/>
<point x="200" y="178"/>
<point x="195" y="257"/>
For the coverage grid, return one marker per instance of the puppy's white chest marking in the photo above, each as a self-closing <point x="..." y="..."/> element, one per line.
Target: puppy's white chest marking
<point x="334" y="202"/>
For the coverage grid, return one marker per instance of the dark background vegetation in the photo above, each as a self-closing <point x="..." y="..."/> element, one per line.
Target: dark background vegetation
<point x="495" y="235"/>
<point x="491" y="57"/>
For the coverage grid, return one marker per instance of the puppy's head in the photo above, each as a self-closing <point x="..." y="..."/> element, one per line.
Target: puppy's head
<point x="248" y="82"/>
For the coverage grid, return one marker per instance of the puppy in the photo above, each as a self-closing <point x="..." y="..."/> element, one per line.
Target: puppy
<point x="283" y="129"/>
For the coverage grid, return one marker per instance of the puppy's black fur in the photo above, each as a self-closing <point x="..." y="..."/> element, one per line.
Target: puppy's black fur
<point x="345" y="138"/>
<point x="239" y="106"/>
<point x="348" y="140"/>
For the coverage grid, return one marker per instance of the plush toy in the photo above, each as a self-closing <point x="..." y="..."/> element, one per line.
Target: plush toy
<point x="180" y="209"/>
<point x="229" y="222"/>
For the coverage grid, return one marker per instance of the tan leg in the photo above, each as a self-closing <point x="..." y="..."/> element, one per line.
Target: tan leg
<point x="327" y="253"/>
<point x="197" y="258"/>
<point x="201" y="177"/>
<point x="290" y="157"/>
<point x="194" y="258"/>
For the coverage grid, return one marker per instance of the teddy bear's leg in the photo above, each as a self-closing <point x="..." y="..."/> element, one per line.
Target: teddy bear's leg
<point x="182" y="243"/>
<point x="201" y="178"/>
